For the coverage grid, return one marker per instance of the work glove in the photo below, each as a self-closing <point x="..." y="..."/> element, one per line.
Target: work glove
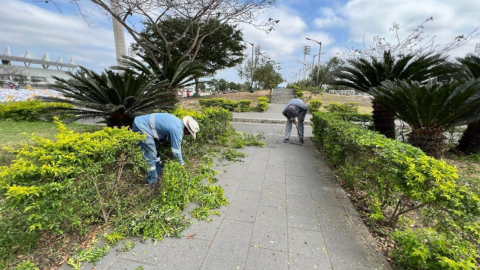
<point x="293" y="120"/>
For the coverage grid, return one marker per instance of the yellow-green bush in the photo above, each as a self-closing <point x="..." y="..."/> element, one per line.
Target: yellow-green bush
<point x="244" y="105"/>
<point x="65" y="185"/>
<point x="227" y="104"/>
<point x="348" y="107"/>
<point x="314" y="105"/>
<point x="398" y="178"/>
<point x="298" y="93"/>
<point x="32" y="110"/>
<point x="262" y="103"/>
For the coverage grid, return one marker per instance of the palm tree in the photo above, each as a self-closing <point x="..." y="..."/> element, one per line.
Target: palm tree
<point x="363" y="74"/>
<point x="470" y="141"/>
<point x="117" y="97"/>
<point x="179" y="72"/>
<point x="430" y="109"/>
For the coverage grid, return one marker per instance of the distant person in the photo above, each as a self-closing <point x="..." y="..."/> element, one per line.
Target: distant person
<point x="11" y="86"/>
<point x="295" y="109"/>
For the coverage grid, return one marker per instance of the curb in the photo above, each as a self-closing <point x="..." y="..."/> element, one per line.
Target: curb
<point x="264" y="121"/>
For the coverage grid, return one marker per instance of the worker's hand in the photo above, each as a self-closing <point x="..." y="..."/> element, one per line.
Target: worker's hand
<point x="293" y="120"/>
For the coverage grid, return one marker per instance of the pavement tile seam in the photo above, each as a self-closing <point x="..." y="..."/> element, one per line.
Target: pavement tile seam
<point x="135" y="261"/>
<point x="251" y="236"/>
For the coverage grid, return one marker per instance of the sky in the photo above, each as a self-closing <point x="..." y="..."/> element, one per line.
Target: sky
<point x="338" y="24"/>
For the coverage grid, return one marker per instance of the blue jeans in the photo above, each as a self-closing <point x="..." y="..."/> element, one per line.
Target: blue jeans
<point x="149" y="147"/>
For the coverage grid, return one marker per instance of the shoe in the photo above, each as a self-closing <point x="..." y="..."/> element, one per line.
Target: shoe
<point x="301" y="140"/>
<point x="286" y="140"/>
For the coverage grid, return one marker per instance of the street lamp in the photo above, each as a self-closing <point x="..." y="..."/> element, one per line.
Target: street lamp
<point x="253" y="71"/>
<point x="319" y="53"/>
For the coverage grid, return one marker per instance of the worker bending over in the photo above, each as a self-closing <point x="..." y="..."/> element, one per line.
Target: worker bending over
<point x="162" y="127"/>
<point x="295" y="109"/>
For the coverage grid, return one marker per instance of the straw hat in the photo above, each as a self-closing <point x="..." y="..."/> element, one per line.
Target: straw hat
<point x="191" y="125"/>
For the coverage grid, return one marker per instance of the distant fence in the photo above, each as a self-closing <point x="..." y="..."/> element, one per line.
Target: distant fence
<point x="347" y="93"/>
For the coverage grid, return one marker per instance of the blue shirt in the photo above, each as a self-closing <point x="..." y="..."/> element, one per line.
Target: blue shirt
<point x="167" y="127"/>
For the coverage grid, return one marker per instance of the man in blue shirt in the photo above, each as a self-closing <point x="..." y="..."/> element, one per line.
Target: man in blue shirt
<point x="295" y="109"/>
<point x="162" y="127"/>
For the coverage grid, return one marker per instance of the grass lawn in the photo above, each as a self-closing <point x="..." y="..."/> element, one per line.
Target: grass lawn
<point x="192" y="102"/>
<point x="468" y="170"/>
<point x="364" y="103"/>
<point x="12" y="134"/>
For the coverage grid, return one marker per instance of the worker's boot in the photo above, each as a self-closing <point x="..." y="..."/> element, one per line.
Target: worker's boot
<point x="286" y="140"/>
<point x="301" y="140"/>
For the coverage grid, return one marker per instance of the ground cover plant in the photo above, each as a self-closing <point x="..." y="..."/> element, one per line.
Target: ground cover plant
<point x="92" y="181"/>
<point x="404" y="195"/>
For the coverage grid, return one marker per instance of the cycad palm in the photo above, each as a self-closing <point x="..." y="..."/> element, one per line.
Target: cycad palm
<point x="115" y="97"/>
<point x="179" y="72"/>
<point x="470" y="141"/>
<point x="430" y="109"/>
<point x="363" y="74"/>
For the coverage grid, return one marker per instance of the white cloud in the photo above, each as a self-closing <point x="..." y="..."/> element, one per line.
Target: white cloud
<point x="28" y="26"/>
<point x="285" y="43"/>
<point x="329" y="19"/>
<point x="369" y="18"/>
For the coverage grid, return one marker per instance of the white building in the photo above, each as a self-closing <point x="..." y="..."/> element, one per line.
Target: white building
<point x="34" y="70"/>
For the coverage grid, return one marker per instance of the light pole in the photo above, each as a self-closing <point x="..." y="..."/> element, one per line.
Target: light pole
<point x="253" y="69"/>
<point x="319" y="53"/>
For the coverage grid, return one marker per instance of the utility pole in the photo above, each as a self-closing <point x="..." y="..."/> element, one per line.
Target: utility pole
<point x="319" y="54"/>
<point x="477" y="49"/>
<point x="118" y="34"/>
<point x="306" y="50"/>
<point x="253" y="68"/>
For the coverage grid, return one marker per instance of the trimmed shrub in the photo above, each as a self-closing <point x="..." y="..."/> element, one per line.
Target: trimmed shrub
<point x="262" y="103"/>
<point x="298" y="93"/>
<point x="398" y="179"/>
<point x="348" y="107"/>
<point x="314" y="105"/>
<point x="32" y="110"/>
<point x="263" y="99"/>
<point x="224" y="103"/>
<point x="244" y="105"/>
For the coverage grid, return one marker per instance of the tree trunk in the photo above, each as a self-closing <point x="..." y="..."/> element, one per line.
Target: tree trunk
<point x="384" y="121"/>
<point x="470" y="141"/>
<point x="430" y="140"/>
<point x="197" y="89"/>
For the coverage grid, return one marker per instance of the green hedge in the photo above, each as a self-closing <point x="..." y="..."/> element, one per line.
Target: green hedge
<point x="224" y="103"/>
<point x="298" y="93"/>
<point x="32" y="110"/>
<point x="348" y="107"/>
<point x="314" y="105"/>
<point x="262" y="103"/>
<point x="244" y="105"/>
<point x="397" y="179"/>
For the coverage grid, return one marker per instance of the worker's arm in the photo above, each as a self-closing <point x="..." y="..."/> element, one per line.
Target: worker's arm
<point x="176" y="142"/>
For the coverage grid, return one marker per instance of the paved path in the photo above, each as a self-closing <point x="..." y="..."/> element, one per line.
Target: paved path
<point x="286" y="212"/>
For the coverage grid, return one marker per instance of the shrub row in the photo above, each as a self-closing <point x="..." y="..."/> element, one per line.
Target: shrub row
<point x="398" y="179"/>
<point x="348" y="107"/>
<point x="227" y="104"/>
<point x="32" y="110"/>
<point x="262" y="103"/>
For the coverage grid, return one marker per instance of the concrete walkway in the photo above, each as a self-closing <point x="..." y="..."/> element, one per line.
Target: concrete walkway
<point x="286" y="212"/>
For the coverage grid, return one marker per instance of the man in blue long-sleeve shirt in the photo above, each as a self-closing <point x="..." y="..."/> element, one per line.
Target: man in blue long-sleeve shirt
<point x="294" y="109"/>
<point x="162" y="127"/>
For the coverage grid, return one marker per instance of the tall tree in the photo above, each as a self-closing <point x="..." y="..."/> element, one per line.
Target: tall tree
<point x="224" y="12"/>
<point x="264" y="71"/>
<point x="222" y="49"/>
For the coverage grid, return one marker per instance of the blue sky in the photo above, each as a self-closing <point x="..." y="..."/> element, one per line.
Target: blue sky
<point x="337" y="23"/>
